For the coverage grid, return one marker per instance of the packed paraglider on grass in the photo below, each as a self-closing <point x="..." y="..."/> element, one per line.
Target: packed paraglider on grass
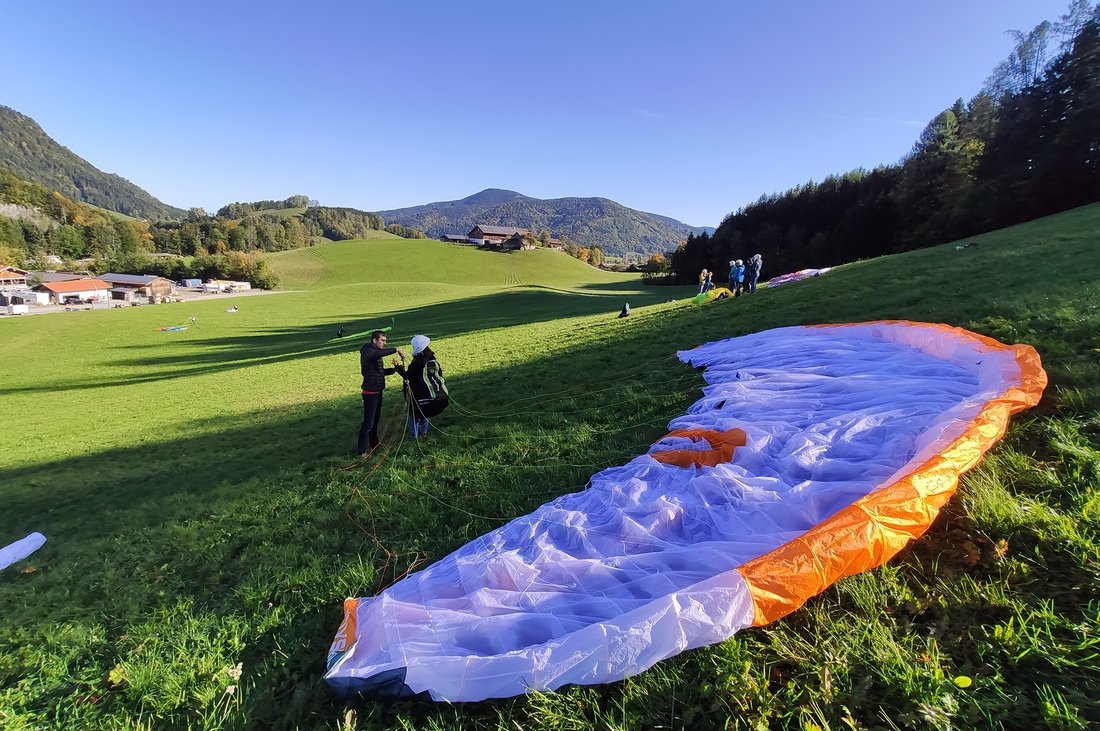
<point x="816" y="452"/>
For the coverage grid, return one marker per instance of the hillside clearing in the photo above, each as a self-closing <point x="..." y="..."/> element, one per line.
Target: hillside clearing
<point x="188" y="485"/>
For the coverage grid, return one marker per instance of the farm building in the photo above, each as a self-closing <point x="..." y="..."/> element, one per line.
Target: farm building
<point x="128" y="287"/>
<point x="23" y="297"/>
<point x="226" y="285"/>
<point x="483" y="234"/>
<point x="455" y="239"/>
<point x="516" y="243"/>
<point x="76" y="290"/>
<point x="12" y="277"/>
<point x="44" y="277"/>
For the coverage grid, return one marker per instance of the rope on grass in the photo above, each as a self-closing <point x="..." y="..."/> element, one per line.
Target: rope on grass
<point x="574" y="391"/>
<point x="357" y="492"/>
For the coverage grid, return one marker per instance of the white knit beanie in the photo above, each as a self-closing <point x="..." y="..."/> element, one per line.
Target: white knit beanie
<point x="419" y="342"/>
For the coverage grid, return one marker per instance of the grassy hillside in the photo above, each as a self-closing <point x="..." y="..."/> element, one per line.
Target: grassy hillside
<point x="393" y="259"/>
<point x="202" y="534"/>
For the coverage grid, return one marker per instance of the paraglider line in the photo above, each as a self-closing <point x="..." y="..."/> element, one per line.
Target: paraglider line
<point x="506" y="414"/>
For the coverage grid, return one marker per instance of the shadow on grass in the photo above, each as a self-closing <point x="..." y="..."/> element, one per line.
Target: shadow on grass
<point x="662" y="292"/>
<point x="522" y="306"/>
<point x="232" y="518"/>
<point x="255" y="519"/>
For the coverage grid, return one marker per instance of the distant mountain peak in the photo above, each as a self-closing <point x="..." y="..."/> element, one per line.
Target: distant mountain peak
<point x="491" y="197"/>
<point x="585" y="221"/>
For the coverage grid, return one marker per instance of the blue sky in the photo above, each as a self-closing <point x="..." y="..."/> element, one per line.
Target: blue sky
<point x="686" y="109"/>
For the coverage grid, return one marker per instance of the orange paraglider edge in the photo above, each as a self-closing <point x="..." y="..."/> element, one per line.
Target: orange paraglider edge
<point x="870" y="531"/>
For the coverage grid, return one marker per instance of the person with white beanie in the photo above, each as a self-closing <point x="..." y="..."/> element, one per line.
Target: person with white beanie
<point x="425" y="388"/>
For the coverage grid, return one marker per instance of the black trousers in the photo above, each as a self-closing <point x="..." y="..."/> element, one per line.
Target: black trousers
<point x="372" y="412"/>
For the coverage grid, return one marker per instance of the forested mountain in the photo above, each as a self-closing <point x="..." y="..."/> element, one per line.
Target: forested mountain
<point x="28" y="151"/>
<point x="588" y="222"/>
<point x="1025" y="147"/>
<point x="37" y="224"/>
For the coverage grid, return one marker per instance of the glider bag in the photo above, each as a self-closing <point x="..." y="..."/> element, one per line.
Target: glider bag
<point x="814" y="453"/>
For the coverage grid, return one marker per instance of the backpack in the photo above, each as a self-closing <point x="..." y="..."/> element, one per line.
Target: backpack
<point x="437" y="390"/>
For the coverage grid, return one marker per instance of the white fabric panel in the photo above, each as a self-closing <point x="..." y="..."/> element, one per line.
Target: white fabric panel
<point x="21" y="549"/>
<point x="601" y="584"/>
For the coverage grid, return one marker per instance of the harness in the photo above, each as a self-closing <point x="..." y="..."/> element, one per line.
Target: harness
<point x="436" y="386"/>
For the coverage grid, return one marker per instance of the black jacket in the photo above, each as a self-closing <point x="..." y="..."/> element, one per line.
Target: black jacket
<point x="429" y="389"/>
<point x="370" y="363"/>
<point x="426" y="383"/>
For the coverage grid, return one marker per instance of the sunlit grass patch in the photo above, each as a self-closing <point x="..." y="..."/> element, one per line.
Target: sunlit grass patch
<point x="200" y="518"/>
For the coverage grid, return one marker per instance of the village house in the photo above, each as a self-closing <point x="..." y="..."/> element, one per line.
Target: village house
<point x="44" y="277"/>
<point x="76" y="290"/>
<point x="23" y="297"/>
<point x="15" y="288"/>
<point x="508" y="238"/>
<point x="11" y="277"/>
<point x="483" y="234"/>
<point x="131" y="287"/>
<point x="517" y="242"/>
<point x="226" y="285"/>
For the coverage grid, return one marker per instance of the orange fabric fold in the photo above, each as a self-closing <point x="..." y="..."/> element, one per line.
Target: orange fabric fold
<point x="872" y="530"/>
<point x="722" y="444"/>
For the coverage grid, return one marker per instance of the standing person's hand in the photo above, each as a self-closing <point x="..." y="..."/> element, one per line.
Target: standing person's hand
<point x="402" y="354"/>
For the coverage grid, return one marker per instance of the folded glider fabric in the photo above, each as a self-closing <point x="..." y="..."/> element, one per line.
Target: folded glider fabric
<point x="814" y="453"/>
<point x="21" y="549"/>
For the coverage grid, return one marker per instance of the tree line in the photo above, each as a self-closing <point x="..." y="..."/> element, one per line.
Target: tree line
<point x="240" y="210"/>
<point x="36" y="223"/>
<point x="1026" y="146"/>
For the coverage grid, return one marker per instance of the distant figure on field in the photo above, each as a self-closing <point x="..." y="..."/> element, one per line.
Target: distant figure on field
<point x="232" y="309"/>
<point x="737" y="277"/>
<point x="708" y="283"/>
<point x="625" y="311"/>
<point x="703" y="275"/>
<point x="425" y="389"/>
<point x="340" y="332"/>
<point x="374" y="383"/>
<point x="194" y="319"/>
<point x="752" y="272"/>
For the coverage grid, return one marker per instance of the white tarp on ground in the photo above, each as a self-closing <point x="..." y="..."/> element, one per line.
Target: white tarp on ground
<point x="21" y="549"/>
<point x="649" y="561"/>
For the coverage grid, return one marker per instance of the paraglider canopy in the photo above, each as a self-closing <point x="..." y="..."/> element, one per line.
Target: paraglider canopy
<point x="812" y="453"/>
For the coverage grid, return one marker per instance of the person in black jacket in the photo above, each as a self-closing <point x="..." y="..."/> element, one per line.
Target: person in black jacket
<point x="752" y="273"/>
<point x="426" y="392"/>
<point x="374" y="383"/>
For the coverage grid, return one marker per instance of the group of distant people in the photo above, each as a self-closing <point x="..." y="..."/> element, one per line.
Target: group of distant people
<point x="742" y="277"/>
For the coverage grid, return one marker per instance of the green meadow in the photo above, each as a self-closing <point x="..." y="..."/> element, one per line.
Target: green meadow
<point x="205" y="516"/>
